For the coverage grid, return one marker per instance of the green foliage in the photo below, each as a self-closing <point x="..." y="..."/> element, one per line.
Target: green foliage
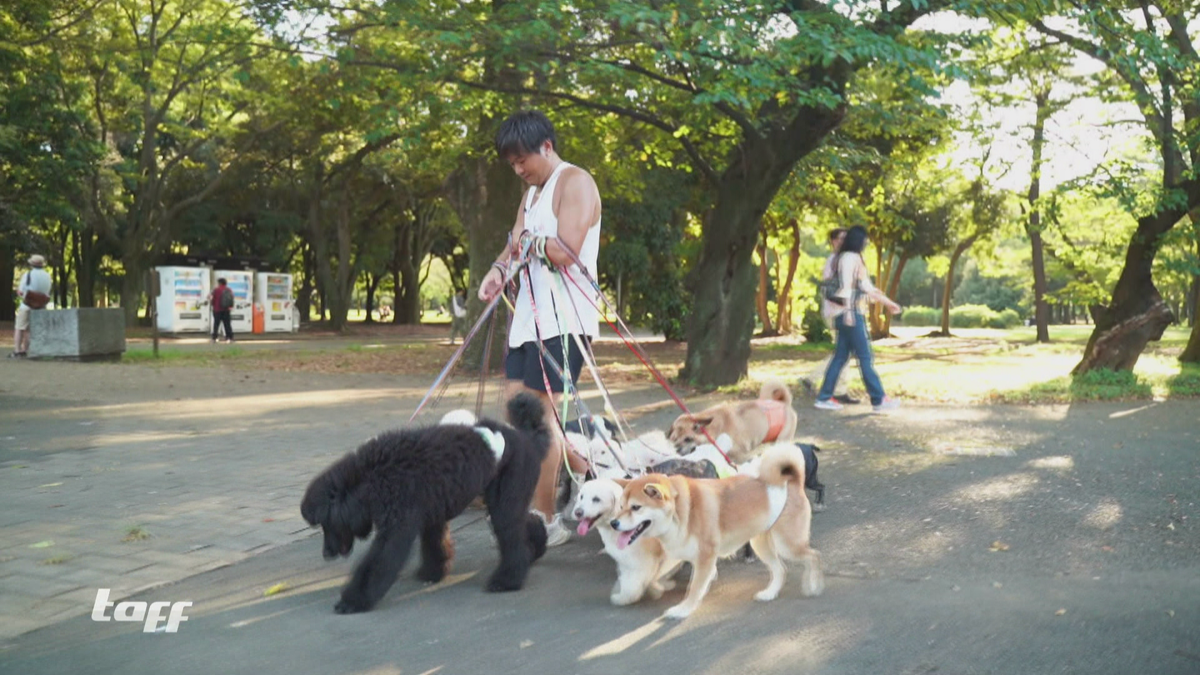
<point x="965" y="316"/>
<point x="998" y="293"/>
<point x="814" y="327"/>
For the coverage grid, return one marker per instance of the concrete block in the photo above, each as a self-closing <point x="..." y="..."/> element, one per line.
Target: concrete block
<point x="80" y="334"/>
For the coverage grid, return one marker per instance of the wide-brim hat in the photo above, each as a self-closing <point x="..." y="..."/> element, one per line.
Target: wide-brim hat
<point x="37" y="260"/>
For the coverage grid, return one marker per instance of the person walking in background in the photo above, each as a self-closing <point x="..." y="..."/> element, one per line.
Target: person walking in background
<point x="222" y="304"/>
<point x="34" y="291"/>
<point x="845" y="312"/>
<point x="458" y="315"/>
<point x="818" y="373"/>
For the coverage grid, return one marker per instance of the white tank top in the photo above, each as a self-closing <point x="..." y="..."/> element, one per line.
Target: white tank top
<point x="562" y="307"/>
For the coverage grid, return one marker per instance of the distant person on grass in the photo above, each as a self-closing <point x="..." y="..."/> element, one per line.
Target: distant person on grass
<point x="562" y="203"/>
<point x="458" y="315"/>
<point x="844" y="311"/>
<point x="835" y="241"/>
<point x="222" y="304"/>
<point x="34" y="290"/>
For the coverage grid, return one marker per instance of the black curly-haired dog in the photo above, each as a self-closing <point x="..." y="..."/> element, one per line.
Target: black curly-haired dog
<point x="407" y="484"/>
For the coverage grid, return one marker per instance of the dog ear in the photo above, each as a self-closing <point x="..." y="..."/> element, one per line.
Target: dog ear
<point x="623" y="482"/>
<point x="653" y="491"/>
<point x="698" y="423"/>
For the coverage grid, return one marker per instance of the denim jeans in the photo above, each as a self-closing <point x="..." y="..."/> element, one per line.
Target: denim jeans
<point x="852" y="339"/>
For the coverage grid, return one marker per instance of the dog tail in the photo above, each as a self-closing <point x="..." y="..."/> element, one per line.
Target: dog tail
<point x="526" y="412"/>
<point x="782" y="463"/>
<point x="775" y="390"/>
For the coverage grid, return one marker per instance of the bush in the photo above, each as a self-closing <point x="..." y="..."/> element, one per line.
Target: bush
<point x="970" y="316"/>
<point x="814" y="327"/>
<point x="917" y="315"/>
<point x="1005" y="319"/>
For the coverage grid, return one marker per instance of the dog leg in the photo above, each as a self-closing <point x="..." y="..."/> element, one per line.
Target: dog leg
<point x="378" y="570"/>
<point x="704" y="570"/>
<point x="812" y="580"/>
<point x="764" y="547"/>
<point x="819" y="504"/>
<point x="516" y="550"/>
<point x="437" y="550"/>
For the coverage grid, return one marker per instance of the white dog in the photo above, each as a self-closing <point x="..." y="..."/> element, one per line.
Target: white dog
<point x="640" y="564"/>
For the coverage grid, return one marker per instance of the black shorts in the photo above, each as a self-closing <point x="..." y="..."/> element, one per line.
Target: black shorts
<point x="524" y="364"/>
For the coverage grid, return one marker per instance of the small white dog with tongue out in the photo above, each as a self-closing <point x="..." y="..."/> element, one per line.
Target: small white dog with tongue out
<point x="640" y="562"/>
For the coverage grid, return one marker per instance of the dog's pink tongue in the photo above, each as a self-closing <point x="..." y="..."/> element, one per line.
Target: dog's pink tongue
<point x="623" y="539"/>
<point x="584" y="526"/>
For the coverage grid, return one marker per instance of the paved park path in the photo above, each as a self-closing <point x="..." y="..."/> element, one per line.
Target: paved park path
<point x="971" y="539"/>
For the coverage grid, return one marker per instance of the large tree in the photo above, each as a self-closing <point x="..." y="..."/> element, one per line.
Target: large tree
<point x="1148" y="50"/>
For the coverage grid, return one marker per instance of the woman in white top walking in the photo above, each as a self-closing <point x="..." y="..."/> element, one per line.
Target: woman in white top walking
<point x="844" y="312"/>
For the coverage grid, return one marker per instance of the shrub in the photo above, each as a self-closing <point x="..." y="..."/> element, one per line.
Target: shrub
<point x="970" y="316"/>
<point x="814" y="327"/>
<point x="1004" y="319"/>
<point x="917" y="315"/>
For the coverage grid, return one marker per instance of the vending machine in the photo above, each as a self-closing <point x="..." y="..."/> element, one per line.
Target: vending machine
<point x="182" y="303"/>
<point x="241" y="317"/>
<point x="273" y="292"/>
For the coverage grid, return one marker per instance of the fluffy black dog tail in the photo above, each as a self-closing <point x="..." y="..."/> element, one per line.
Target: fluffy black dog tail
<point x="526" y="412"/>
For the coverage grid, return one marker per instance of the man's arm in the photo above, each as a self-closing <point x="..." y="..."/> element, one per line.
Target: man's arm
<point x="493" y="281"/>
<point x="578" y="209"/>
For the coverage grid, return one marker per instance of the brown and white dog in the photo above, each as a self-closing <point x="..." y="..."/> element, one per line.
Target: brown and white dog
<point x="699" y="521"/>
<point x="749" y="423"/>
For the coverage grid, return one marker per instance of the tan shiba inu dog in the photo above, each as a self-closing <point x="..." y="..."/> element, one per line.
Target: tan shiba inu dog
<point x="750" y="424"/>
<point x="699" y="521"/>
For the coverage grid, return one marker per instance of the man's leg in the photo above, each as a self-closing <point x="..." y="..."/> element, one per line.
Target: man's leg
<point x="226" y="316"/>
<point x="216" y="321"/>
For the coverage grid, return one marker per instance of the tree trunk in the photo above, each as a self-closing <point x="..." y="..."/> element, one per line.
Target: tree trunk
<point x="1034" y="226"/>
<point x="304" y="296"/>
<point x="949" y="289"/>
<point x="372" y="284"/>
<point x="784" y="321"/>
<point x="485" y="193"/>
<point x="1137" y="314"/>
<point x="8" y="303"/>
<point x="879" y="320"/>
<point x="892" y="290"/>
<point x="1191" y="353"/>
<point x="723" y="280"/>
<point x="764" y="280"/>
<point x="131" y="290"/>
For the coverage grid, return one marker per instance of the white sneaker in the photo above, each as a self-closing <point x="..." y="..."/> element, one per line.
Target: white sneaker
<point x="886" y="405"/>
<point x="556" y="533"/>
<point x="827" y="405"/>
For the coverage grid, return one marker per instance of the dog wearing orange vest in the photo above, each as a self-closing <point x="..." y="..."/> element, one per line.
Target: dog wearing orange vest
<point x="750" y="424"/>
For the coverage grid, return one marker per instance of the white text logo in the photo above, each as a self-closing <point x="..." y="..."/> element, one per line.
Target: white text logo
<point x="151" y="613"/>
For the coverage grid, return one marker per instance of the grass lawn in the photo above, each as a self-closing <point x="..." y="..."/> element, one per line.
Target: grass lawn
<point x="976" y="366"/>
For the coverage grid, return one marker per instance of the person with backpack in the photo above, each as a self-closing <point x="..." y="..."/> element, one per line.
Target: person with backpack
<point x="818" y="372"/>
<point x="844" y="311"/>
<point x="34" y="290"/>
<point x="222" y="303"/>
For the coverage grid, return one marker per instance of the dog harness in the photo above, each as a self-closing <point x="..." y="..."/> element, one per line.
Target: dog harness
<point x="494" y="440"/>
<point x="776" y="413"/>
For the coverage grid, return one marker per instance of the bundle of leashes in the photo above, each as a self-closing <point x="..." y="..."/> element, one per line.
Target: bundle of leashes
<point x="521" y="264"/>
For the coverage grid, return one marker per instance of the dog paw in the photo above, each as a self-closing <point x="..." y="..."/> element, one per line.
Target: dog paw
<point x="431" y="574"/>
<point x="500" y="584"/>
<point x="812" y="585"/>
<point x="665" y="585"/>
<point x="766" y="595"/>
<point x="623" y="599"/>
<point x="346" y="606"/>
<point x="818" y="507"/>
<point x="654" y="591"/>
<point x="677" y="612"/>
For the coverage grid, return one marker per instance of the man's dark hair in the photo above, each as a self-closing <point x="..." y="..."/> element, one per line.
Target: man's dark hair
<point x="524" y="133"/>
<point x="221" y="282"/>
<point x="835" y="233"/>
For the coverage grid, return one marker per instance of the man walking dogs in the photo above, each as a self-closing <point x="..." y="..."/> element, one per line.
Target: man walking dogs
<point x="34" y="290"/>
<point x="562" y="205"/>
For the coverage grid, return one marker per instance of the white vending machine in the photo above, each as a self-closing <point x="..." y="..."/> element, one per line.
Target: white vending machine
<point x="273" y="292"/>
<point x="241" y="317"/>
<point x="182" y="303"/>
